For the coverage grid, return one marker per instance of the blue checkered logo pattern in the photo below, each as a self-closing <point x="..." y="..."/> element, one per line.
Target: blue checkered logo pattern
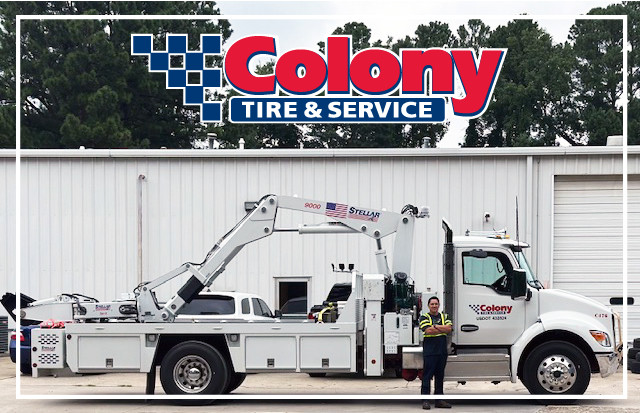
<point x="476" y="308"/>
<point x="193" y="61"/>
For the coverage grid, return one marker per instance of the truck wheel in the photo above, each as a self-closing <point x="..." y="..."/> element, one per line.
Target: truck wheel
<point x="194" y="367"/>
<point x="556" y="367"/>
<point x="25" y="369"/>
<point x="317" y="374"/>
<point x="235" y="381"/>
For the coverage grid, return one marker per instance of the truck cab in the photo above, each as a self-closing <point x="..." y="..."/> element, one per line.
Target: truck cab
<point x="507" y="326"/>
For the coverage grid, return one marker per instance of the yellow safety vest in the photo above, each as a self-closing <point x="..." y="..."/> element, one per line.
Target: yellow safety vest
<point x="428" y="323"/>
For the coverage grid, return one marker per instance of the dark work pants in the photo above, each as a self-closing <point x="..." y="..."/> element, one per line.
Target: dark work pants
<point x="433" y="366"/>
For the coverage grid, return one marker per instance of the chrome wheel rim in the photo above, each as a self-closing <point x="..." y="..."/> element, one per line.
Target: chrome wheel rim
<point x="192" y="374"/>
<point x="556" y="373"/>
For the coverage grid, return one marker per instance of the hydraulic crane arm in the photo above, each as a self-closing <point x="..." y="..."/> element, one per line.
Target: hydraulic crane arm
<point x="259" y="223"/>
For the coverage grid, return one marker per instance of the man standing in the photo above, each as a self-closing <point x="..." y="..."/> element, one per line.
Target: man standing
<point x="435" y="328"/>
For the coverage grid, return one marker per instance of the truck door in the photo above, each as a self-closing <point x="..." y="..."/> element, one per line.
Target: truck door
<point x="485" y="311"/>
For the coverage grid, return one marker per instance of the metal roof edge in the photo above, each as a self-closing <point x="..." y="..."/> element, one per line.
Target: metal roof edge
<point x="317" y="153"/>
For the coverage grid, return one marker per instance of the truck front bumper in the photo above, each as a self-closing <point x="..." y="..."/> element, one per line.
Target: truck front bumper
<point x="608" y="363"/>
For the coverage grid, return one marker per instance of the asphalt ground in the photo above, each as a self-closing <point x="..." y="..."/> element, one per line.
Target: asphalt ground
<point x="326" y="390"/>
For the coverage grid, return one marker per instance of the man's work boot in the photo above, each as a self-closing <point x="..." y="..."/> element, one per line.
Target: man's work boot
<point x="426" y="405"/>
<point x="441" y="404"/>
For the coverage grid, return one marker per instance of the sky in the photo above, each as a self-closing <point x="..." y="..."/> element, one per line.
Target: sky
<point x="393" y="18"/>
<point x="315" y="20"/>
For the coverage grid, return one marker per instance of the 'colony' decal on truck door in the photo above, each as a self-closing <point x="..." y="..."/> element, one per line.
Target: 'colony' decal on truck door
<point x="491" y="312"/>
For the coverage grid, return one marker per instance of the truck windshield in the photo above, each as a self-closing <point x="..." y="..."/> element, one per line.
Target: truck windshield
<point x="531" y="279"/>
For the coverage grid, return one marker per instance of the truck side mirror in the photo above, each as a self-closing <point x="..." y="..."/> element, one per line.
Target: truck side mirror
<point x="278" y="314"/>
<point x="519" y="284"/>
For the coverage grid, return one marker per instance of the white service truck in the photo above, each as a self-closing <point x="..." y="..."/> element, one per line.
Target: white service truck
<point x="506" y="326"/>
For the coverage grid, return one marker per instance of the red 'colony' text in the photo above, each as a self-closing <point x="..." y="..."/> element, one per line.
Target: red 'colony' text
<point x="371" y="71"/>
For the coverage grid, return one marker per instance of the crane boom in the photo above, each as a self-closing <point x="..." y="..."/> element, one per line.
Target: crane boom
<point x="259" y="223"/>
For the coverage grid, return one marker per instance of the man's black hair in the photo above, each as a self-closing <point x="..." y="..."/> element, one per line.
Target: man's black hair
<point x="433" y="298"/>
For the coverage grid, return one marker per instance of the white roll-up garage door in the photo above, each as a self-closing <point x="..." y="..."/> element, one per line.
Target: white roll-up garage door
<point x="588" y="243"/>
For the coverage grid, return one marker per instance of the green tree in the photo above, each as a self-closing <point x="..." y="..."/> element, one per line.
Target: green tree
<point x="598" y="47"/>
<point x="361" y="35"/>
<point x="474" y="35"/>
<point x="7" y="125"/>
<point x="7" y="83"/>
<point x="80" y="86"/>
<point x="353" y="135"/>
<point x="229" y="134"/>
<point x="258" y="135"/>
<point x="531" y="104"/>
<point x="434" y="34"/>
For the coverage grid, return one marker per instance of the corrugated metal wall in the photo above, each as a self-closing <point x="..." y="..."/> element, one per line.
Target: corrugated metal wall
<point x="79" y="227"/>
<point x="7" y="223"/>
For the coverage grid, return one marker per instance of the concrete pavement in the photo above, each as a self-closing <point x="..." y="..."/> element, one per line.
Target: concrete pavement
<point x="294" y="384"/>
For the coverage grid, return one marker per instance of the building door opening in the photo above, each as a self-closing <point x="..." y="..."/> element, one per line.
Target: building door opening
<point x="292" y="297"/>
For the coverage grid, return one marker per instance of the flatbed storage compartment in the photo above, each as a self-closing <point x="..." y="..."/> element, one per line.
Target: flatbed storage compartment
<point x="306" y="353"/>
<point x="325" y="353"/>
<point x="270" y="353"/>
<point x="102" y="352"/>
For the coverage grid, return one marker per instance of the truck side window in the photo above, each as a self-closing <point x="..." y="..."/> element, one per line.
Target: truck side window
<point x="492" y="271"/>
<point x="256" y="305"/>
<point x="244" y="305"/>
<point x="265" y="308"/>
<point x="210" y="305"/>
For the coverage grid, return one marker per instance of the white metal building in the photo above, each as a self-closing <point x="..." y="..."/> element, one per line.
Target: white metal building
<point x="81" y="211"/>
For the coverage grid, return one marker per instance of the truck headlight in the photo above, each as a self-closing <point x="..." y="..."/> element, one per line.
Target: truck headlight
<point x="601" y="337"/>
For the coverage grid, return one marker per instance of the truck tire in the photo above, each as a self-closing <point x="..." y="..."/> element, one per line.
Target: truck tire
<point x="632" y="353"/>
<point x="194" y="367"/>
<point x="317" y="374"/>
<point x="235" y="381"/>
<point x="556" y="367"/>
<point x="635" y="342"/>
<point x="634" y="367"/>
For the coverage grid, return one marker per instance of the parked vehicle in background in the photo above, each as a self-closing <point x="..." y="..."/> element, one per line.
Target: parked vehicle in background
<point x="294" y="307"/>
<point x="23" y="336"/>
<point x="226" y="306"/>
<point x="337" y="296"/>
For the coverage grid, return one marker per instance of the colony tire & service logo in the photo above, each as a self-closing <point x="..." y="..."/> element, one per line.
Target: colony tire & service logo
<point x="191" y="62"/>
<point x="491" y="312"/>
<point x="320" y="88"/>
